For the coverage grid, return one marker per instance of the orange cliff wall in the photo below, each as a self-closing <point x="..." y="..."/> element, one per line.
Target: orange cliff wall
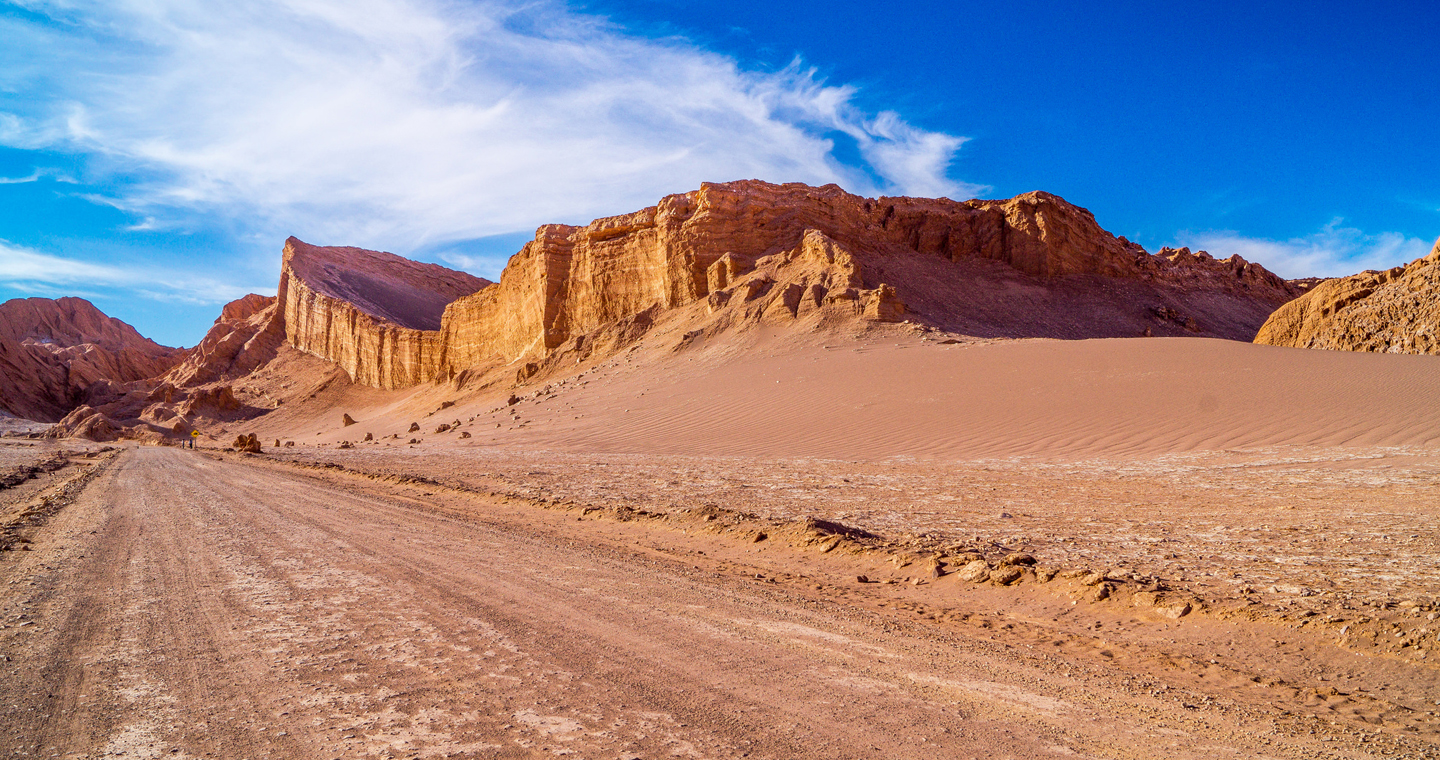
<point x="375" y="314"/>
<point x="394" y="323"/>
<point x="571" y="280"/>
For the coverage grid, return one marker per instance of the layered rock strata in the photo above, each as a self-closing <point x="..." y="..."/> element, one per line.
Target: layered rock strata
<point x="729" y="244"/>
<point x="751" y="252"/>
<point x="1393" y="311"/>
<point x="375" y="314"/>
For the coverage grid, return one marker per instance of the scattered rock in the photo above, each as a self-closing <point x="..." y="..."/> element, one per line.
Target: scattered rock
<point x="1018" y="558"/>
<point x="1174" y="609"/>
<point x="369" y="436"/>
<point x="1006" y="574"/>
<point x="414" y="427"/>
<point x="346" y="445"/>
<point x="465" y="434"/>
<point x="975" y="572"/>
<point x="346" y="420"/>
<point x="289" y="444"/>
<point x="247" y="443"/>
<point x="443" y="427"/>
<point x="862" y="579"/>
<point x="414" y="440"/>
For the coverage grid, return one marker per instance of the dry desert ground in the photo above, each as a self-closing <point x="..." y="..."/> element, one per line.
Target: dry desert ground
<point x="884" y="544"/>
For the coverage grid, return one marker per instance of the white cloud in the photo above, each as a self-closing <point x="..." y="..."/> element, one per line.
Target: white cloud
<point x="45" y="274"/>
<point x="397" y="123"/>
<point x="36" y="176"/>
<point x="1334" y="251"/>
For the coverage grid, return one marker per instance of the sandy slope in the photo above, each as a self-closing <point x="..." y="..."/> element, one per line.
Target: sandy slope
<point x="898" y="393"/>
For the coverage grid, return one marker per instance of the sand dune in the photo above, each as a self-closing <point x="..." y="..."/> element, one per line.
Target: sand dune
<point x="900" y="395"/>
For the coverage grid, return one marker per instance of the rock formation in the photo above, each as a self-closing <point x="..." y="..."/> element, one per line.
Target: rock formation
<point x="727" y="257"/>
<point x="375" y="314"/>
<point x="1395" y="311"/>
<point x="778" y="250"/>
<point x="245" y="336"/>
<point x="745" y="253"/>
<point x="54" y="354"/>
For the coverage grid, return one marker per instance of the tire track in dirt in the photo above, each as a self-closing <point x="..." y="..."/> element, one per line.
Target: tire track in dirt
<point x="236" y="611"/>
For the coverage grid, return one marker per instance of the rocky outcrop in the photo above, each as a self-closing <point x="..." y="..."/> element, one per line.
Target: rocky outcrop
<point x="244" y="337"/>
<point x="734" y="255"/>
<point x="1395" y="311"/>
<point x="375" y="314"/>
<point x="797" y="249"/>
<point x="53" y="353"/>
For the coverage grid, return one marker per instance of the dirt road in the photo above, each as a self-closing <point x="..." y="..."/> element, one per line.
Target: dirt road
<point x="189" y="606"/>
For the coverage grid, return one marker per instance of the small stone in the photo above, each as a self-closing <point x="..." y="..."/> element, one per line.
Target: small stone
<point x="975" y="572"/>
<point x="414" y="427"/>
<point x="369" y="436"/>
<point x="346" y="420"/>
<point x="1006" y="575"/>
<point x="1174" y="610"/>
<point x="862" y="579"/>
<point x="1018" y="558"/>
<point x="465" y="435"/>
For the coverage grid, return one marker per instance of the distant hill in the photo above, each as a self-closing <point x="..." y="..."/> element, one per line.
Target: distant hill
<point x="55" y="352"/>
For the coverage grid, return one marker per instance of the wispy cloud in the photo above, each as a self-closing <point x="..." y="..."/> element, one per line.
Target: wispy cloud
<point x="37" y="175"/>
<point x="396" y="123"/>
<point x="39" y="273"/>
<point x="1334" y="251"/>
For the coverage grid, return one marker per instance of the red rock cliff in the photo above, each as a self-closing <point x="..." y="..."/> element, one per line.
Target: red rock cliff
<point x="52" y="351"/>
<point x="375" y="314"/>
<point x="569" y="281"/>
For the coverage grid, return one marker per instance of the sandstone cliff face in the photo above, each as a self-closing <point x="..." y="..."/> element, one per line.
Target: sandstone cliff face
<point x="1394" y="311"/>
<point x="739" y="254"/>
<point x="54" y="352"/>
<point x="375" y="314"/>
<point x="731" y="244"/>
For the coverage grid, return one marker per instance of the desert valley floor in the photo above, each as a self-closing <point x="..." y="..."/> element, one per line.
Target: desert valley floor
<point x="891" y="543"/>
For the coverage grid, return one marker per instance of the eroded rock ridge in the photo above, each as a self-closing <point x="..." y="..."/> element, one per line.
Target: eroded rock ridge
<point x="1393" y="311"/>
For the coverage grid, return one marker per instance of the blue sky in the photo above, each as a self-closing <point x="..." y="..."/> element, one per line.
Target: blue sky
<point x="154" y="154"/>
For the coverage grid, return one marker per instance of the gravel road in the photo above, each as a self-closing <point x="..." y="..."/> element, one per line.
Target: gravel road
<point x="188" y="605"/>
